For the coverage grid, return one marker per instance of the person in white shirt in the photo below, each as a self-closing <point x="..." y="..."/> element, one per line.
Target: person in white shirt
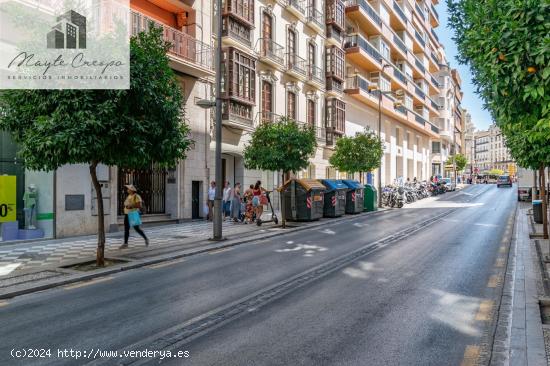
<point x="211" y="196"/>
<point x="227" y="199"/>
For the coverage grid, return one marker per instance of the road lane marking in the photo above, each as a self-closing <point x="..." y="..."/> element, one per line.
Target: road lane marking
<point x="499" y="262"/>
<point x="3" y="303"/>
<point x="485" y="311"/>
<point x="471" y="354"/>
<point x="166" y="264"/>
<point x="220" y="250"/>
<point x="494" y="280"/>
<point x="87" y="283"/>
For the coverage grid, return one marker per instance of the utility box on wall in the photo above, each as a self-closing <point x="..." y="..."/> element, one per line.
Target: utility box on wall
<point x="106" y="194"/>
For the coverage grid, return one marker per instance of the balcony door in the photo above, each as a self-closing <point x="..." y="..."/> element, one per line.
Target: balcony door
<point x="291" y="48"/>
<point x="267" y="101"/>
<point x="267" y="34"/>
<point x="291" y="105"/>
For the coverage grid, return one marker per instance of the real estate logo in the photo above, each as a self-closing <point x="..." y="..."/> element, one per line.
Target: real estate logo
<point x="48" y="45"/>
<point x="69" y="32"/>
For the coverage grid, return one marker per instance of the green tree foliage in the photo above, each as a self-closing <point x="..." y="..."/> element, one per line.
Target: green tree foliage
<point x="357" y="154"/>
<point x="461" y="161"/>
<point x="281" y="146"/>
<point x="506" y="43"/>
<point x="130" y="128"/>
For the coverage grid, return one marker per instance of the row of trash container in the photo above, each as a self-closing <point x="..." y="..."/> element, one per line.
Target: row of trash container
<point x="311" y="199"/>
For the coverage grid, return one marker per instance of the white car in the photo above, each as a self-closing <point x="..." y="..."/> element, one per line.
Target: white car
<point x="449" y="184"/>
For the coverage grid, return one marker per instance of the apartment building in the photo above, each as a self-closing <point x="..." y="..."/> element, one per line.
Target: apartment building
<point x="491" y="151"/>
<point x="449" y="120"/>
<point x="392" y="58"/>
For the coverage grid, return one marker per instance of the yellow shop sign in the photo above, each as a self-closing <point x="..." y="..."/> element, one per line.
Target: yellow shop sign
<point x="7" y="198"/>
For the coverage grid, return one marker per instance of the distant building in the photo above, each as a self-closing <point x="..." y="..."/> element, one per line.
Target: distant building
<point x="491" y="152"/>
<point x="468" y="145"/>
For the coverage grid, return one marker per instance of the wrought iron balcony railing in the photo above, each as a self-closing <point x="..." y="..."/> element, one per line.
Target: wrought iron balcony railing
<point x="315" y="73"/>
<point x="363" y="4"/>
<point x="399" y="11"/>
<point x="295" y="63"/>
<point x="272" y="50"/>
<point x="183" y="46"/>
<point x="316" y="17"/>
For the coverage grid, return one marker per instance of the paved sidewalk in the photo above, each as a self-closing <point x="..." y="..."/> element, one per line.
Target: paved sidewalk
<point x="526" y="341"/>
<point x="25" y="256"/>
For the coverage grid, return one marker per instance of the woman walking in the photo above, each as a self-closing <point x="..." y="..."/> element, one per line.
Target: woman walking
<point x="132" y="204"/>
<point x="258" y="191"/>
<point x="236" y="202"/>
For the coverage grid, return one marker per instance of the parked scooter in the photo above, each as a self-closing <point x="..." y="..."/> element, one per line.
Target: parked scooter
<point x="274" y="217"/>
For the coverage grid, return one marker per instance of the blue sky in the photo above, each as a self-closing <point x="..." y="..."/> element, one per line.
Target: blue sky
<point x="480" y="117"/>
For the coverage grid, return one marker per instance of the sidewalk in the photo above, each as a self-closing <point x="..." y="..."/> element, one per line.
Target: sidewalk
<point x="24" y="256"/>
<point x="520" y="315"/>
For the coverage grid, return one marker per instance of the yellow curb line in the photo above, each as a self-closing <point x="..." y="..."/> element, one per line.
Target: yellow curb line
<point x="485" y="311"/>
<point x="471" y="354"/>
<point x="87" y="283"/>
<point x="165" y="264"/>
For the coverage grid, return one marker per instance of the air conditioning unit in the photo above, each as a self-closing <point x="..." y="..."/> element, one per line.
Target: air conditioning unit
<point x="375" y="77"/>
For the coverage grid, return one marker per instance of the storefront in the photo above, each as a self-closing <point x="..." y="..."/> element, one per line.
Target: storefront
<point x="26" y="197"/>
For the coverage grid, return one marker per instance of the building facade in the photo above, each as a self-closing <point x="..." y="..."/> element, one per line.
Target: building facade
<point x="339" y="66"/>
<point x="491" y="152"/>
<point x="468" y="141"/>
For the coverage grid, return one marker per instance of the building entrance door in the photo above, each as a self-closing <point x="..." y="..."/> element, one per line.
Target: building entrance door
<point x="151" y="186"/>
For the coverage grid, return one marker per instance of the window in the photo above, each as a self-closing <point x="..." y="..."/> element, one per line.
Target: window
<point x="436" y="147"/>
<point x="384" y="84"/>
<point x="335" y="62"/>
<point x="310" y="112"/>
<point x="243" y="9"/>
<point x="241" y="76"/>
<point x="336" y="115"/>
<point x="291" y="105"/>
<point x="385" y="50"/>
<point x="335" y="13"/>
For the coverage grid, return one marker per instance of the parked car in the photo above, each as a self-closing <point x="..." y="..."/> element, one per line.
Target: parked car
<point x="504" y="180"/>
<point x="449" y="184"/>
<point x="525" y="184"/>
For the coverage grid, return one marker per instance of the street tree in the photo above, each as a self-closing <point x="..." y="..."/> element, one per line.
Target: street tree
<point x="460" y="159"/>
<point x="283" y="145"/>
<point x="506" y="44"/>
<point x="129" y="128"/>
<point x="358" y="154"/>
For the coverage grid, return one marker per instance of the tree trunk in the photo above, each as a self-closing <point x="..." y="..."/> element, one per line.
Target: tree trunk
<point x="281" y="195"/>
<point x="544" y="203"/>
<point x="100" y="256"/>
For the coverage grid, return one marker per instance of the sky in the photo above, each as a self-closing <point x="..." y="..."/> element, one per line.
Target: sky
<point x="471" y="101"/>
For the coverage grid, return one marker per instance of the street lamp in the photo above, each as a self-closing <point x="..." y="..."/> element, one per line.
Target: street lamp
<point x="374" y="87"/>
<point x="207" y="104"/>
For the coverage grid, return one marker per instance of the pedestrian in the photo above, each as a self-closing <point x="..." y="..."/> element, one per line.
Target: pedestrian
<point x="414" y="180"/>
<point x="258" y="191"/>
<point x="133" y="203"/>
<point x="227" y="200"/>
<point x="236" y="202"/>
<point x="211" y="197"/>
<point x="249" y="208"/>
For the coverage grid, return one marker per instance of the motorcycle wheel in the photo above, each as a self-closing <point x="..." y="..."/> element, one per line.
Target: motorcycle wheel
<point x="400" y="205"/>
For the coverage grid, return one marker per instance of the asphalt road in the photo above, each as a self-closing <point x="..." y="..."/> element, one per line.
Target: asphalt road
<point x="403" y="287"/>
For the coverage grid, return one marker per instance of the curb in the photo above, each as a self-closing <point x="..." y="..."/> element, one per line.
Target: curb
<point x="23" y="290"/>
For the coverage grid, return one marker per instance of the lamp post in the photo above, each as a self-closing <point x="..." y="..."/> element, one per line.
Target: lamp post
<point x="207" y="104"/>
<point x="380" y="92"/>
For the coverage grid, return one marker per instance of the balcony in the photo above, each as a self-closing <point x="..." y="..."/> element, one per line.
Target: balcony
<point x="419" y="92"/>
<point x="365" y="15"/>
<point x="398" y="22"/>
<point x="420" y="41"/>
<point x="271" y="53"/>
<point x="400" y="77"/>
<point x="335" y="36"/>
<point x="267" y="117"/>
<point x="434" y="18"/>
<point x="399" y="42"/>
<point x="236" y="34"/>
<point x="358" y="87"/>
<point x="186" y="54"/>
<point x="359" y="50"/>
<point x="419" y="11"/>
<point x="434" y="58"/>
<point x="434" y="128"/>
<point x="295" y="65"/>
<point x="419" y="119"/>
<point x="434" y="35"/>
<point x="316" y="19"/>
<point x="320" y="134"/>
<point x="315" y="75"/>
<point x="334" y="87"/>
<point x="420" y="66"/>
<point x="236" y="116"/>
<point x="434" y="104"/>
<point x="296" y="7"/>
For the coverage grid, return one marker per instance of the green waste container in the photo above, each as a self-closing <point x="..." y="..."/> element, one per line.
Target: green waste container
<point x="371" y="198"/>
<point x="354" y="196"/>
<point x="303" y="199"/>
<point x="335" y="197"/>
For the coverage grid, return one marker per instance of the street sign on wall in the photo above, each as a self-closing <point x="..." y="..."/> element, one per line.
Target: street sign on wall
<point x="7" y="198"/>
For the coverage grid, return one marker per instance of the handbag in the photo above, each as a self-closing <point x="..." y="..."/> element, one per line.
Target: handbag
<point x="263" y="199"/>
<point x="133" y="218"/>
